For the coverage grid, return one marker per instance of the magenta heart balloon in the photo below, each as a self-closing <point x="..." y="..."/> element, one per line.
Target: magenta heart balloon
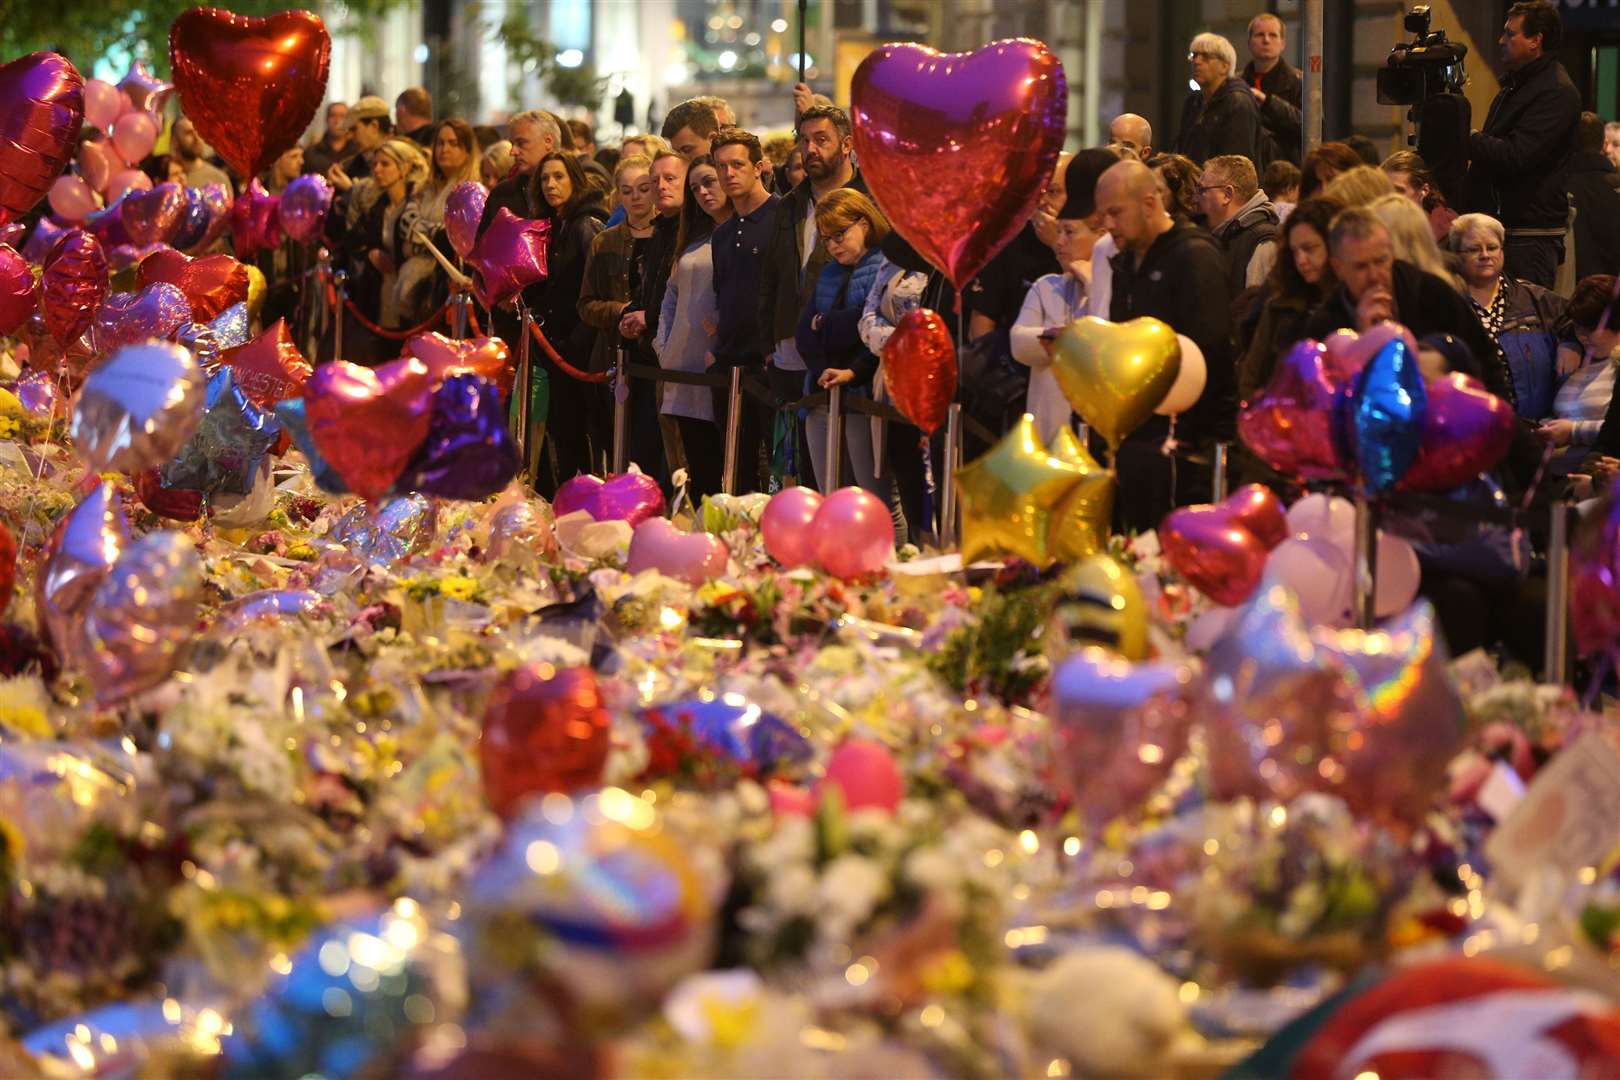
<point x="157" y="311"/>
<point x="1466" y="431"/>
<point x="463" y="210"/>
<point x="957" y="148"/>
<point x="219" y="200"/>
<point x="18" y="294"/>
<point x="254" y="225"/>
<point x="151" y="217"/>
<point x="73" y="285"/>
<point x="304" y="205"/>
<point x="690" y="557"/>
<point x="127" y="255"/>
<point x="1290" y="424"/>
<point x="41" y="111"/>
<point x="1348" y="351"/>
<point x="631" y="497"/>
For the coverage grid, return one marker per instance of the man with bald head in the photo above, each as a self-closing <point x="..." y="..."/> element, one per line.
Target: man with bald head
<point x="1134" y="131"/>
<point x="1175" y="272"/>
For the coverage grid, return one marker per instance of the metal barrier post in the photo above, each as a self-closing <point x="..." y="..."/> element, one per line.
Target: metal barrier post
<point x="1085" y="435"/>
<point x="1364" y="566"/>
<point x="835" y="440"/>
<point x="459" y="304"/>
<point x="728" y="477"/>
<point x="1555" y="667"/>
<point x="319" y="313"/>
<point x="621" y="410"/>
<point x="1217" y="482"/>
<point x="340" y="282"/>
<point x="947" y="483"/>
<point x="524" y="387"/>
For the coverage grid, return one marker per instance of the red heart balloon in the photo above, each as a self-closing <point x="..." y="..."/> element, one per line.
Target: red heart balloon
<point x="211" y="283"/>
<point x="1289" y="425"/>
<point x="1257" y="508"/>
<point x="73" y="285"/>
<point x="957" y="147"/>
<point x="368" y="422"/>
<point x="544" y="730"/>
<point x="151" y="217"/>
<point x="19" y="294"/>
<point x="41" y="111"/>
<point x="1466" y="430"/>
<point x="1210" y="547"/>
<point x="919" y="368"/>
<point x="176" y="504"/>
<point x="269" y="368"/>
<point x="8" y="566"/>
<point x="251" y="85"/>
<point x="486" y="357"/>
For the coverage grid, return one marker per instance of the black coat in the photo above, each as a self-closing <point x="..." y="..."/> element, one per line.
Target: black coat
<point x="555" y="301"/>
<point x="1519" y="161"/>
<point x="1280" y="119"/>
<point x="1182" y="280"/>
<point x="513" y="193"/>
<point x="786" y="276"/>
<point x="1594" y="187"/>
<point x="1227" y="122"/>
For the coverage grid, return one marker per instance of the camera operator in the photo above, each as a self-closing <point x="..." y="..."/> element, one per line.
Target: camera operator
<point x="1519" y="162"/>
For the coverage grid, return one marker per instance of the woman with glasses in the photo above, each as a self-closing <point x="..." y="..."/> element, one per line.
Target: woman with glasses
<point x="1220" y="115"/>
<point x="1521" y="318"/>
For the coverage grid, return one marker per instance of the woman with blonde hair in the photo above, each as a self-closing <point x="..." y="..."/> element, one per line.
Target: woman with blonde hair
<point x="383" y="231"/>
<point x="829" y="337"/>
<point x="1360" y="186"/>
<point x="1413" y="237"/>
<point x="496" y="163"/>
<point x="421" y="284"/>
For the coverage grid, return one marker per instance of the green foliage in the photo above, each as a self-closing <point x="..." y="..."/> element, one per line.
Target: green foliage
<point x="534" y="54"/>
<point x="999" y="652"/>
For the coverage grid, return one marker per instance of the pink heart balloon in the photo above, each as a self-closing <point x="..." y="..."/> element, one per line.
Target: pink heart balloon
<point x="690" y="557"/>
<point x="255" y="224"/>
<point x="785" y="526"/>
<point x="631" y="497"/>
<point x="957" y="148"/>
<point x="41" y="111"/>
<point x="1466" y="431"/>
<point x="1289" y="425"/>
<point x="367" y="423"/>
<point x="1214" y="551"/>
<point x="1348" y="352"/>
<point x="157" y="311"/>
<point x="1257" y="508"/>
<point x="73" y="283"/>
<point x="151" y="217"/>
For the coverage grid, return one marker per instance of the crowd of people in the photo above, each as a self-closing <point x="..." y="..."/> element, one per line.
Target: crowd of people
<point x="700" y="250"/>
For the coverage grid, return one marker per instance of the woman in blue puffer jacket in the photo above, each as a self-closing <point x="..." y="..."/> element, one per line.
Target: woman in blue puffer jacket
<point x="829" y="337"/>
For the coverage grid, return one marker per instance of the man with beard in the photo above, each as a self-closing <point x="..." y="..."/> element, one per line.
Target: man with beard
<point x="189" y="149"/>
<point x="795" y="254"/>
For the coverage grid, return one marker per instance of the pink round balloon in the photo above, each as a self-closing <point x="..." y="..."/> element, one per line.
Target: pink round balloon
<point x="101" y="103"/>
<point x="71" y="198"/>
<point x="134" y="134"/>
<point x="94" y="165"/>
<point x="865" y="774"/>
<point x="785" y="526"/>
<point x="125" y="181"/>
<point x="852" y="533"/>
<point x="1318" y="573"/>
<point x="463" y="210"/>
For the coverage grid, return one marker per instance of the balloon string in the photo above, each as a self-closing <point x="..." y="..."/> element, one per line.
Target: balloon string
<point x="928" y="484"/>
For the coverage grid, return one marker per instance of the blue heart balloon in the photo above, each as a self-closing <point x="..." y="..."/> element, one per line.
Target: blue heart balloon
<point x="1385" y="414"/>
<point x="291" y="414"/>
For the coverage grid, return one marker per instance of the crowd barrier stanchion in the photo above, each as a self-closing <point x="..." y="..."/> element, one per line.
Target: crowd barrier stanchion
<point x="728" y="476"/>
<point x="340" y="281"/>
<point x="835" y="440"/>
<point x="621" y="410"/>
<point x="1556" y="661"/>
<point x="461" y="304"/>
<point x="524" y="387"/>
<point x="1364" y="564"/>
<point x="1217" y="481"/>
<point x="947" y="482"/>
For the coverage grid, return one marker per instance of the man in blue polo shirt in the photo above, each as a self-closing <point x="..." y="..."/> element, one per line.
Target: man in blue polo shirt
<point x="739" y="247"/>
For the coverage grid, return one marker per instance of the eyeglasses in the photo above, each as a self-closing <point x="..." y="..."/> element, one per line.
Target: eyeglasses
<point x="1214" y="187"/>
<point x="1486" y="249"/>
<point x="843" y="234"/>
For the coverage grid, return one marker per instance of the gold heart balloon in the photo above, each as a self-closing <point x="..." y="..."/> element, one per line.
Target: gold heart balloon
<point x="1115" y="374"/>
<point x="1010" y="494"/>
<point x="1079" y="525"/>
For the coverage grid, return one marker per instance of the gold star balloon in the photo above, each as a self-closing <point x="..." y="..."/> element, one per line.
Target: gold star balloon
<point x="1115" y="374"/>
<point x="1009" y="495"/>
<point x="1079" y="526"/>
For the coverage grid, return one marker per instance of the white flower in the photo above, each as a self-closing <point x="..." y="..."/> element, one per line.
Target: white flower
<point x="791" y="890"/>
<point x="851" y="887"/>
<point x="932" y="869"/>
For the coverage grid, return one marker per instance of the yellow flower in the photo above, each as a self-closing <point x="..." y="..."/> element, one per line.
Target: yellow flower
<point x="8" y="426"/>
<point x="24" y="707"/>
<point x="948" y="973"/>
<point x="459" y="588"/>
<point x="10" y="407"/>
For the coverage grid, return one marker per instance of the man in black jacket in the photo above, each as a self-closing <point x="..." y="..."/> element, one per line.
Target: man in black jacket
<point x="1221" y="116"/>
<point x="534" y="134"/>
<point x="1519" y="161"/>
<point x="1278" y="89"/>
<point x="1594" y="188"/>
<point x="1175" y="272"/>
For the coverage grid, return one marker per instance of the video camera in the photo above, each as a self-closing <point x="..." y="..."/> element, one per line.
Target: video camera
<point x="1425" y="67"/>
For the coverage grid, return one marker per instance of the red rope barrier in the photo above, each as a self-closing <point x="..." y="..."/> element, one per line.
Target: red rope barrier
<point x="472" y="321"/>
<point x="396" y="335"/>
<point x="564" y="366"/>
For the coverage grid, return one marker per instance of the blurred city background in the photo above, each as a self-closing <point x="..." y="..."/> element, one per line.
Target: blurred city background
<point x="621" y="63"/>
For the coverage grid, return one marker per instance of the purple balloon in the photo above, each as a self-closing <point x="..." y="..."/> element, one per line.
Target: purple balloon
<point x="631" y="497"/>
<point x="39" y="394"/>
<point x="127" y="255"/>
<point x="463" y="210"/>
<point x="303" y="207"/>
<point x="468" y="453"/>
<point x="219" y="200"/>
<point x="193" y="227"/>
<point x="157" y="311"/>
<point x="152" y="217"/>
<point x="255" y="225"/>
<point x="42" y="239"/>
<point x="108" y="225"/>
